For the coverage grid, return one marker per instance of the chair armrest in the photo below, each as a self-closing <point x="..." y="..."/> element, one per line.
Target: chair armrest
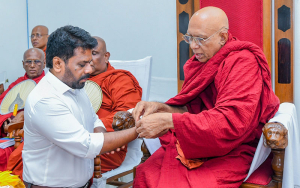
<point x="276" y="137"/>
<point x="19" y="132"/>
<point x="13" y="126"/>
<point x="123" y="120"/>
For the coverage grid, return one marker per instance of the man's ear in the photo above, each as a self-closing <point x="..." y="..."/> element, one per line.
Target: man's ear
<point x="224" y="38"/>
<point x="58" y="65"/>
<point x="106" y="56"/>
<point x="44" y="62"/>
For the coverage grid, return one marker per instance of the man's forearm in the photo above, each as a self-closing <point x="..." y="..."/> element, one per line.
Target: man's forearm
<point x="113" y="140"/>
<point x="171" y="109"/>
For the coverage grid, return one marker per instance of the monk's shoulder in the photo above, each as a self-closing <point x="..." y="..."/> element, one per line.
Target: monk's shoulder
<point x="120" y="76"/>
<point x="241" y="59"/>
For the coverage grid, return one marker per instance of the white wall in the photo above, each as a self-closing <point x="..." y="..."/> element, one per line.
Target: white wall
<point x="132" y="30"/>
<point x="13" y="37"/>
<point x="297" y="56"/>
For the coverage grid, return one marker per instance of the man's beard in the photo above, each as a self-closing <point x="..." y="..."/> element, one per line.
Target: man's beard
<point x="70" y="81"/>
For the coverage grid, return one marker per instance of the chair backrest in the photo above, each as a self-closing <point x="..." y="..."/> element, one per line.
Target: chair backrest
<point x="141" y="69"/>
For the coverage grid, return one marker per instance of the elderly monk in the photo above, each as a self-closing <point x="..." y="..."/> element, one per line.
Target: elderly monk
<point x="121" y="92"/>
<point x="33" y="63"/>
<point x="39" y="37"/>
<point x="212" y="127"/>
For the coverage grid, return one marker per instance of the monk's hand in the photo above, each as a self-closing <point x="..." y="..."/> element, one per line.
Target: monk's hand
<point x="154" y="125"/>
<point x="144" y="108"/>
<point x="116" y="150"/>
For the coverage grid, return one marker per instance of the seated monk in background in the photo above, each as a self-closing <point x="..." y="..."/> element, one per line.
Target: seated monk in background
<point x="210" y="130"/>
<point x="39" y="37"/>
<point x="33" y="63"/>
<point x="121" y="92"/>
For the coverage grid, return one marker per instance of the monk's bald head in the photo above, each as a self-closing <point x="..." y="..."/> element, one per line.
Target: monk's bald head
<point x="210" y="24"/>
<point x="210" y="18"/>
<point x="101" y="43"/>
<point x="34" y="62"/>
<point x="39" y="37"/>
<point x="37" y="52"/>
<point x="100" y="57"/>
<point x="42" y="28"/>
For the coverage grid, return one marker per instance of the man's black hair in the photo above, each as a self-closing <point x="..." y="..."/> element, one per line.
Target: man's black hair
<point x="63" y="41"/>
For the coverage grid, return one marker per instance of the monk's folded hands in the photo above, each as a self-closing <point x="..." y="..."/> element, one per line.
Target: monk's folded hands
<point x="154" y="125"/>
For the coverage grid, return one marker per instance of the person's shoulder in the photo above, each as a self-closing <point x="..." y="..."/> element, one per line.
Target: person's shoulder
<point x="41" y="91"/>
<point x="121" y="75"/>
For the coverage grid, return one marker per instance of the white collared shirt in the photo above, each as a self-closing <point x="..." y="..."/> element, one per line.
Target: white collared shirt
<point x="60" y="145"/>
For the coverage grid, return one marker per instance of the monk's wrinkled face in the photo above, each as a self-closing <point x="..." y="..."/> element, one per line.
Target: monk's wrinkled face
<point x="39" y="37"/>
<point x="100" y="58"/>
<point x="78" y="69"/>
<point x="33" y="63"/>
<point x="208" y="48"/>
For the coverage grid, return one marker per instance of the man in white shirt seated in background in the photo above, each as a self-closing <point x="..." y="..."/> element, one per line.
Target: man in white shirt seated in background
<point x="60" y="145"/>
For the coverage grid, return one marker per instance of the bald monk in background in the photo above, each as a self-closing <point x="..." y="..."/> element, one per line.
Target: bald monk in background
<point x="121" y="92"/>
<point x="39" y="37"/>
<point x="210" y="130"/>
<point x="33" y="63"/>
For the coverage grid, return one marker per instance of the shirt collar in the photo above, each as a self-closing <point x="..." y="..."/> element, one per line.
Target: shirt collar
<point x="58" y="84"/>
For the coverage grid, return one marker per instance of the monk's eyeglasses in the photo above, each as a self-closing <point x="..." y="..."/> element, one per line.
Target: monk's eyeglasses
<point x="29" y="62"/>
<point x="198" y="40"/>
<point x="37" y="35"/>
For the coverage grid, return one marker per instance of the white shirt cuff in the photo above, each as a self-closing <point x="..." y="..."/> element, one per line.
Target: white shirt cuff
<point x="96" y="144"/>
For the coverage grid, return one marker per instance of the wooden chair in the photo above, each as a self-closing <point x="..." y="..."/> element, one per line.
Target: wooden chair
<point x="277" y="146"/>
<point x="19" y="132"/>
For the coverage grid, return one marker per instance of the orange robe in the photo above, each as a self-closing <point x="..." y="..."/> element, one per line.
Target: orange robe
<point x="14" y="162"/>
<point x="121" y="92"/>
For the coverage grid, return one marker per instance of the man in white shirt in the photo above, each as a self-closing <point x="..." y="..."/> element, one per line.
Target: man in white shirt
<point x="60" y="145"/>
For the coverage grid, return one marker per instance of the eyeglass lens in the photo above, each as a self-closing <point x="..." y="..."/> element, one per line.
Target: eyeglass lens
<point x="29" y="62"/>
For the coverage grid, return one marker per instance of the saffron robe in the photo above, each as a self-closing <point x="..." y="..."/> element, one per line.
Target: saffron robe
<point x="121" y="92"/>
<point x="14" y="161"/>
<point x="229" y="99"/>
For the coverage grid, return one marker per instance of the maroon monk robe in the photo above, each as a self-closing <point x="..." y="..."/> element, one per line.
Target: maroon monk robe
<point x="229" y="99"/>
<point x="6" y="116"/>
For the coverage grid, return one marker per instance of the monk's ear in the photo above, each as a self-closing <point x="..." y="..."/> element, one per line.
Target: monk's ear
<point x="106" y="56"/>
<point x="58" y="65"/>
<point x="224" y="37"/>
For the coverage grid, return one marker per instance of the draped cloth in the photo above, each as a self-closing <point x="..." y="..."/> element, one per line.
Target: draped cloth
<point x="14" y="161"/>
<point x="121" y="92"/>
<point x="229" y="99"/>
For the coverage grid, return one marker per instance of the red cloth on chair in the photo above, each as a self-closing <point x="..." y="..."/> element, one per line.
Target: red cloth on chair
<point x="245" y="18"/>
<point x="263" y="174"/>
<point x="4" y="155"/>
